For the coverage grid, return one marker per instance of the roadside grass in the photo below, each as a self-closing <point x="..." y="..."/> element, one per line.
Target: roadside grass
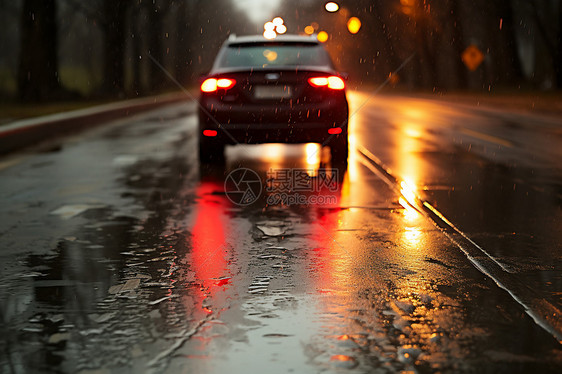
<point x="8" y="85"/>
<point x="74" y="79"/>
<point x="79" y="79"/>
<point x="13" y="111"/>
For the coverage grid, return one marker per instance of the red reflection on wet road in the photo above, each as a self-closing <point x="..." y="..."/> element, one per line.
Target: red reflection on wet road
<point x="209" y="252"/>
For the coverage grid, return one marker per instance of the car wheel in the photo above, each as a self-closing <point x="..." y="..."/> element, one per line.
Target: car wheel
<point x="211" y="153"/>
<point x="339" y="150"/>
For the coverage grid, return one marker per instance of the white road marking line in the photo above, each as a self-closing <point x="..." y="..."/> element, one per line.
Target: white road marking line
<point x="543" y="313"/>
<point x="486" y="137"/>
<point x="9" y="163"/>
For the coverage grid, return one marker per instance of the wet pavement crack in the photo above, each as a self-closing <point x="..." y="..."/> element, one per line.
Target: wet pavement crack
<point x="185" y="336"/>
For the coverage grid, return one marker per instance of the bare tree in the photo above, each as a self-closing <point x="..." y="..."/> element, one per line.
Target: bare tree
<point x="38" y="61"/>
<point x="114" y="27"/>
<point x="507" y="64"/>
<point x="547" y="17"/>
<point x="156" y="13"/>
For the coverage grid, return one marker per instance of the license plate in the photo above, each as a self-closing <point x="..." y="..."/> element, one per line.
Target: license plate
<point x="273" y="92"/>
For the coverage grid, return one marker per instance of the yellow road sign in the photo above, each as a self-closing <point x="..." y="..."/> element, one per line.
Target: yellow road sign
<point x="472" y="57"/>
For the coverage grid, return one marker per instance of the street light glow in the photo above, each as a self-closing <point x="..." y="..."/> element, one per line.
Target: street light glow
<point x="274" y="27"/>
<point x="269" y="34"/>
<point x="309" y="30"/>
<point x="353" y="25"/>
<point x="322" y="36"/>
<point x="269" y="26"/>
<point x="277" y="21"/>
<point x="281" y="29"/>
<point x="332" y="7"/>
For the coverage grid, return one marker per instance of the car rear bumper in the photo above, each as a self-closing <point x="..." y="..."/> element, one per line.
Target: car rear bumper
<point x="274" y="124"/>
<point x="272" y="133"/>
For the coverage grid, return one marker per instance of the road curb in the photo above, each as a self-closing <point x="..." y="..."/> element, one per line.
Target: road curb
<point x="23" y="133"/>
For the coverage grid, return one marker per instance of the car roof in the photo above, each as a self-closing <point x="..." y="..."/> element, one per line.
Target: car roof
<point x="252" y="39"/>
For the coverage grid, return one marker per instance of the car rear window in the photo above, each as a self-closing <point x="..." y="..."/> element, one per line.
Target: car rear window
<point x="273" y="55"/>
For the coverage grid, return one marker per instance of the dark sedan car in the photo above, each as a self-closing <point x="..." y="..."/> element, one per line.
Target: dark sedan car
<point x="284" y="90"/>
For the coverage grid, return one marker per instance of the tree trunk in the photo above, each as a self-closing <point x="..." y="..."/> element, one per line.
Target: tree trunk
<point x="507" y="68"/>
<point x="558" y="58"/>
<point x="184" y="40"/>
<point x="38" y="61"/>
<point x="458" y="45"/>
<point x="136" y="51"/>
<point x="114" y="58"/>
<point x="157" y="79"/>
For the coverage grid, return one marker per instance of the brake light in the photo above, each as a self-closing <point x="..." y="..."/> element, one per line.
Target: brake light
<point x="318" y="81"/>
<point x="210" y="132"/>
<point x="225" y="83"/>
<point x="335" y="131"/>
<point x="213" y="84"/>
<point x="333" y="82"/>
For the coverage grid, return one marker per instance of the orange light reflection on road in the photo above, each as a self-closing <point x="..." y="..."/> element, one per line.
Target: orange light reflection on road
<point x="336" y="274"/>
<point x="410" y="167"/>
<point x="408" y="191"/>
<point x="410" y="214"/>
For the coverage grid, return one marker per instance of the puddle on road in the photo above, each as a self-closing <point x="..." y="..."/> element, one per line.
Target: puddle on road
<point x="70" y="211"/>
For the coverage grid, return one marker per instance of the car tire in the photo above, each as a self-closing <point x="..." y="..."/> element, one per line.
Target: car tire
<point x="211" y="153"/>
<point x="339" y="150"/>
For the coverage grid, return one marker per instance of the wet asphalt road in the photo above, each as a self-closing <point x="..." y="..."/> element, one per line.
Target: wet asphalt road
<point x="119" y="254"/>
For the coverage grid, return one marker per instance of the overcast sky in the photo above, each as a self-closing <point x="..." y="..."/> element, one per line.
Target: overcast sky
<point x="259" y="11"/>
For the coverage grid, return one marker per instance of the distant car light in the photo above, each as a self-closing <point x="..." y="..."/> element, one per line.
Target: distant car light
<point x="333" y="82"/>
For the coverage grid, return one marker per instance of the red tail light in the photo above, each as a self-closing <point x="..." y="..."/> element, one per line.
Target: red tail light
<point x="213" y="84"/>
<point x="333" y="82"/>
<point x="210" y="132"/>
<point x="335" y="131"/>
